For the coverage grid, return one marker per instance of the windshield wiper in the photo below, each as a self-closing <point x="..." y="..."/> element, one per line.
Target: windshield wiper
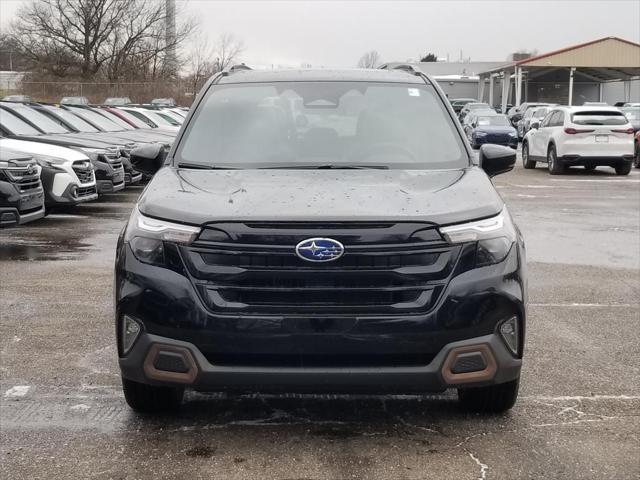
<point x="331" y="166"/>
<point x="201" y="166"/>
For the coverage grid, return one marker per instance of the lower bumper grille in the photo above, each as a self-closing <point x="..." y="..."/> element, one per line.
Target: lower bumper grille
<point x="318" y="361"/>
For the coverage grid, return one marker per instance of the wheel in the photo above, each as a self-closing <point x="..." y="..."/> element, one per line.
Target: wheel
<point x="526" y="162"/>
<point x="589" y="168"/>
<point x="623" y="169"/>
<point x="491" y="399"/>
<point x="555" y="168"/>
<point x="151" y="399"/>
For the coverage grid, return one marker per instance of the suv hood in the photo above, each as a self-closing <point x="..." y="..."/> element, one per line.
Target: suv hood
<point x="38" y="148"/>
<point x="65" y="140"/>
<point x="439" y="196"/>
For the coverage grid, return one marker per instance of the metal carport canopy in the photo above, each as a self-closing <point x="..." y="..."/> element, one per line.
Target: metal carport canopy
<point x="604" y="60"/>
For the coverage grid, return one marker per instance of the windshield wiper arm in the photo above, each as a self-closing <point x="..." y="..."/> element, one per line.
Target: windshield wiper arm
<point x="331" y="166"/>
<point x="202" y="166"/>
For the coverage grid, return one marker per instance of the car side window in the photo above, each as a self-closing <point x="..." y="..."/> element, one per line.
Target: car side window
<point x="559" y="120"/>
<point x="546" y="120"/>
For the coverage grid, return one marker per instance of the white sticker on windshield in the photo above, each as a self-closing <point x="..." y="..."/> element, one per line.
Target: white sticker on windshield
<point x="413" y="92"/>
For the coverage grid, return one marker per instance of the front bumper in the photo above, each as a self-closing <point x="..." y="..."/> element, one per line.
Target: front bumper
<point x="511" y="142"/>
<point x="140" y="366"/>
<point x="107" y="186"/>
<point x="225" y="349"/>
<point x="12" y="216"/>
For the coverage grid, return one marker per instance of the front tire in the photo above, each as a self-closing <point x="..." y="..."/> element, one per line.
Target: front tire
<point x="526" y="161"/>
<point x="623" y="169"/>
<point x="554" y="166"/>
<point x="492" y="399"/>
<point x="151" y="399"/>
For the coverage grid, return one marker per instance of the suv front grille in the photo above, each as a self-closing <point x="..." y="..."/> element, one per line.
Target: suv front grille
<point x="24" y="174"/>
<point x="383" y="271"/>
<point x="83" y="171"/>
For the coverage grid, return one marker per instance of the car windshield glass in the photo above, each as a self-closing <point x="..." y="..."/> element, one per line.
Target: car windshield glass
<point x="40" y="120"/>
<point x="157" y="119"/>
<point x="68" y="117"/>
<point x="632" y="113"/>
<point x="114" y="118"/>
<point x="496" y="120"/>
<point x="296" y="124"/>
<point x="168" y="118"/>
<point x="96" y="119"/>
<point x="601" y="117"/>
<point x="132" y="119"/>
<point x="15" y="125"/>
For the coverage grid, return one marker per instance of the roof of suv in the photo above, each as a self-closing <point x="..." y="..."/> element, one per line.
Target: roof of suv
<point x="586" y="108"/>
<point x="321" y="75"/>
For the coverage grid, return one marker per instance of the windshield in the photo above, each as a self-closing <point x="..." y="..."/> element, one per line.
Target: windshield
<point x="76" y="122"/>
<point x="114" y="118"/>
<point x="155" y="118"/>
<point x="137" y="123"/>
<point x="631" y="113"/>
<point x="168" y="118"/>
<point x="599" y="117"/>
<point x="296" y="124"/>
<point x="494" y="120"/>
<point x="16" y="126"/>
<point x="40" y="120"/>
<point x="94" y="118"/>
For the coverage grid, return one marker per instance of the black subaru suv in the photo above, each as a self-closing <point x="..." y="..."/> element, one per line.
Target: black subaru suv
<point x="321" y="231"/>
<point x="21" y="193"/>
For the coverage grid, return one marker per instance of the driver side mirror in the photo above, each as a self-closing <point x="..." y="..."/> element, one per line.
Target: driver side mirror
<point x="149" y="158"/>
<point x="496" y="159"/>
<point x="535" y="125"/>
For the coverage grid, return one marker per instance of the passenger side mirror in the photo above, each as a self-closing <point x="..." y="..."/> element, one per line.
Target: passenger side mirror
<point x="149" y="158"/>
<point x="496" y="159"/>
<point x="535" y="125"/>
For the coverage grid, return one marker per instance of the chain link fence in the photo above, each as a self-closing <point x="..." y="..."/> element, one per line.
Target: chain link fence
<point x="97" y="92"/>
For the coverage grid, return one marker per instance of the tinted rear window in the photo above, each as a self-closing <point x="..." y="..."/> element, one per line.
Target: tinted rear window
<point x="599" y="117"/>
<point x="314" y="123"/>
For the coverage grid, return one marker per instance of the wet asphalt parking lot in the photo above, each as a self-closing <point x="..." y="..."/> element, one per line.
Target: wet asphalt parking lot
<point x="578" y="416"/>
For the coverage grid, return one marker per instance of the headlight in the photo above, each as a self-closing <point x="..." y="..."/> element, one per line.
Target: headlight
<point x="4" y="164"/>
<point x="494" y="235"/>
<point x="512" y="134"/>
<point x="47" y="161"/>
<point x="146" y="236"/>
<point x="93" y="153"/>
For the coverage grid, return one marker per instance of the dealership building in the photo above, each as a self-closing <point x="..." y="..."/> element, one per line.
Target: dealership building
<point x="603" y="70"/>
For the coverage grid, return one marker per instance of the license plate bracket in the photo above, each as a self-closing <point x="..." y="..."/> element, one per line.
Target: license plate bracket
<point x="602" y="138"/>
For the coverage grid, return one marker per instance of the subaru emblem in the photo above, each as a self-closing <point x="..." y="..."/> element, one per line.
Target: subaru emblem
<point x="319" y="250"/>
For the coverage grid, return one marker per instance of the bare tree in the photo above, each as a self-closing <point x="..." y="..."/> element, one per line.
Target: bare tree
<point x="109" y="37"/>
<point x="201" y="62"/>
<point x="227" y="51"/>
<point x="369" y="60"/>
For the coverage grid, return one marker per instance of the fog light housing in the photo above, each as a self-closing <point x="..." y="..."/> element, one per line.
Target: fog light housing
<point x="131" y="329"/>
<point x="509" y="331"/>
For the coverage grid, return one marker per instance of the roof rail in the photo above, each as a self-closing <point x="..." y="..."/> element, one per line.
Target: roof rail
<point x="235" y="68"/>
<point x="407" y="67"/>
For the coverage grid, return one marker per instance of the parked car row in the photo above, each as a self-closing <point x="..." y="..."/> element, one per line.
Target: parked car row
<point x="592" y="135"/>
<point x="55" y="156"/>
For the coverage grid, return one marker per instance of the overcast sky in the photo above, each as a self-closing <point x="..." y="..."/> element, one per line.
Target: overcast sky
<point x="337" y="33"/>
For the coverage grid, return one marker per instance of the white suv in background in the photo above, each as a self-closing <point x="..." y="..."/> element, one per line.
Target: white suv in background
<point x="67" y="175"/>
<point x="589" y="136"/>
